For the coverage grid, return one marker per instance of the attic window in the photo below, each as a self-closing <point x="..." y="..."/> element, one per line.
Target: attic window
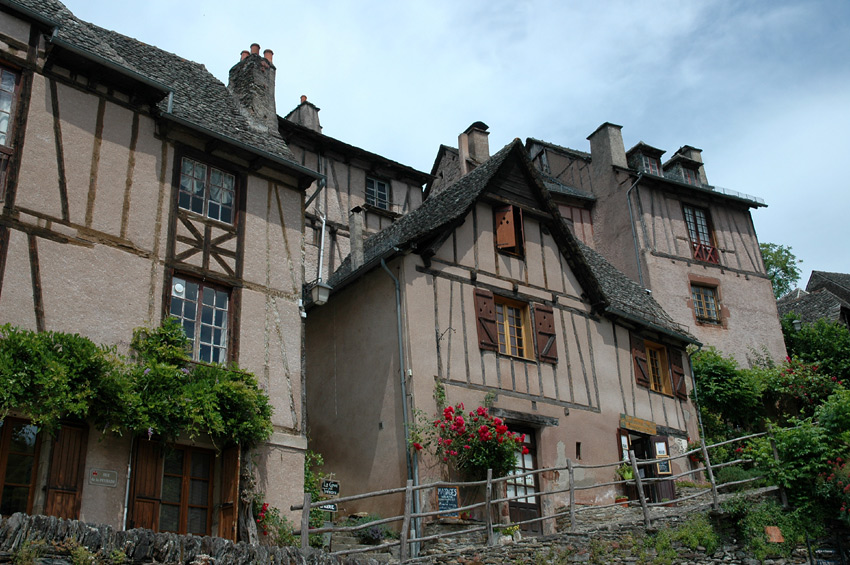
<point x="377" y="193"/>
<point x="691" y="176"/>
<point x="650" y="165"/>
<point x="509" y="233"/>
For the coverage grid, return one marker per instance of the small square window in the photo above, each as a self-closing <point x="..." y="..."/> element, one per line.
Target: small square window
<point x="691" y="176"/>
<point x="705" y="304"/>
<point x="377" y="193"/>
<point x="513" y="327"/>
<point x="509" y="230"/>
<point x="650" y="164"/>
<point x="203" y="311"/>
<point x="206" y="190"/>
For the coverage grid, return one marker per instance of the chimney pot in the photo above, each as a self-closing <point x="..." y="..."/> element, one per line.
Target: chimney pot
<point x="303" y="98"/>
<point x="245" y="54"/>
<point x="268" y="54"/>
<point x="255" y="48"/>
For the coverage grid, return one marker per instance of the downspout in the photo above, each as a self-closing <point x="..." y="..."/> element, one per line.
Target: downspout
<point x="127" y="489"/>
<point x="634" y="232"/>
<point x="412" y="462"/>
<point x="321" y="249"/>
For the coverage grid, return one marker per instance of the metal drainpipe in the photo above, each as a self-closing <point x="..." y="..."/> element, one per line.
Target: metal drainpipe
<point x="632" y="222"/>
<point x="127" y="491"/>
<point x="412" y="462"/>
<point x="321" y="248"/>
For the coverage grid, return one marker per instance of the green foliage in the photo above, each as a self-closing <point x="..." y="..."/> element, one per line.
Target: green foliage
<point x="49" y="376"/>
<point x="797" y="388"/>
<point x="735" y="473"/>
<point x="28" y="552"/>
<point x="313" y="484"/>
<point x="781" y="266"/>
<point x="823" y="343"/>
<point x="834" y="488"/>
<point x="731" y="393"/>
<point x="750" y="520"/>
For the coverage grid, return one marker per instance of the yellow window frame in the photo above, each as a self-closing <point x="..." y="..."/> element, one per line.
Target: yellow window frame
<point x="513" y="324"/>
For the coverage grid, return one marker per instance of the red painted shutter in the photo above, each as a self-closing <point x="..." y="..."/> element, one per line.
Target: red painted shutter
<point x="544" y="325"/>
<point x="678" y="372"/>
<point x="147" y="485"/>
<point x="639" y="357"/>
<point x="67" y="470"/>
<point x="505" y="230"/>
<point x="485" y="308"/>
<point x="228" y="511"/>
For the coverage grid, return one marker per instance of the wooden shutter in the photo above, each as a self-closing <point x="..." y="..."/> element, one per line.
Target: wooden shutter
<point x="147" y="485"/>
<point x="485" y="308"/>
<point x="544" y="326"/>
<point x="67" y="471"/>
<point x="678" y="373"/>
<point x="639" y="358"/>
<point x="228" y="511"/>
<point x="505" y="229"/>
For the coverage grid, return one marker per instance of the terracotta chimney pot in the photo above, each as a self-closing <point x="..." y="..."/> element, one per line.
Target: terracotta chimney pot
<point x="303" y="98"/>
<point x="245" y="54"/>
<point x="268" y="54"/>
<point x="255" y="48"/>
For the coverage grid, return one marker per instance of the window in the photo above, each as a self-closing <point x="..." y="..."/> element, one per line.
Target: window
<point x="512" y="327"/>
<point x="699" y="231"/>
<point x="377" y="193"/>
<point x="202" y="310"/>
<point x="186" y="491"/>
<point x="525" y="508"/>
<point x="9" y="80"/>
<point x="509" y="232"/>
<point x="691" y="176"/>
<point x="19" y="442"/>
<point x="650" y="164"/>
<point x="656" y="364"/>
<point x="206" y="190"/>
<point x="504" y="325"/>
<point x="705" y="304"/>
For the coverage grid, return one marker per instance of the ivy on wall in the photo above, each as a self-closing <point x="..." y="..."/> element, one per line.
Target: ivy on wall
<point x="49" y="376"/>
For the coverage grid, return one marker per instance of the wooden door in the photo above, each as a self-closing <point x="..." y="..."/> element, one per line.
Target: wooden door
<point x="664" y="490"/>
<point x="67" y="471"/>
<point x="147" y="485"/>
<point x="525" y="508"/>
<point x="228" y="511"/>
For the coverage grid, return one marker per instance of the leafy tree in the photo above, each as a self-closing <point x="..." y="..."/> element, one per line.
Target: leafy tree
<point x="824" y="343"/>
<point x="781" y="267"/>
<point x="731" y="395"/>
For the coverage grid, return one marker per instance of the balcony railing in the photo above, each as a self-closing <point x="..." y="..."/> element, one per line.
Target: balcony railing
<point x="706" y="253"/>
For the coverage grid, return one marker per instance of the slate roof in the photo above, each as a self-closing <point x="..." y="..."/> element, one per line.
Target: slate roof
<point x="199" y="99"/>
<point x="812" y="306"/>
<point x="837" y="283"/>
<point x="573" y="152"/>
<point x="614" y="292"/>
<point x="554" y="185"/>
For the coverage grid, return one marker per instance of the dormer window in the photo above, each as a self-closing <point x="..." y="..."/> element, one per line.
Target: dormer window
<point x="509" y="233"/>
<point x="691" y="176"/>
<point x="650" y="165"/>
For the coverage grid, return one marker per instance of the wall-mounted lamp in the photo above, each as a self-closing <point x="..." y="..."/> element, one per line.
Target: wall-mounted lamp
<point x="320" y="293"/>
<point x="798" y="325"/>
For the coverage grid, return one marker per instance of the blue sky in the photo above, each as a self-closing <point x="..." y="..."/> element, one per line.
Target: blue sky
<point x="762" y="87"/>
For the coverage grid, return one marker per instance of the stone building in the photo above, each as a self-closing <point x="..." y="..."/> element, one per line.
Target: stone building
<point x="827" y="296"/>
<point x="136" y="185"/>
<point x="484" y="291"/>
<point x="693" y="245"/>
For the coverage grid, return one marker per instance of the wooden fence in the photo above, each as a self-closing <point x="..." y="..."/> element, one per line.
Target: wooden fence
<point x="491" y="500"/>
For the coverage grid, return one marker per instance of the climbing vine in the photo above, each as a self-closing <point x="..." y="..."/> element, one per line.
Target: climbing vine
<point x="49" y="376"/>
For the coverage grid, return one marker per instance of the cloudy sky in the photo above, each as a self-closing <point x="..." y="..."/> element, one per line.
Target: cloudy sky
<point x="762" y="87"/>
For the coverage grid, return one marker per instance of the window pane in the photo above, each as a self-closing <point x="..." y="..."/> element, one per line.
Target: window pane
<point x="208" y="297"/>
<point x="174" y="462"/>
<point x="14" y="500"/>
<point x="171" y="487"/>
<point x="199" y="492"/>
<point x="169" y="518"/>
<point x="201" y="464"/>
<point x="206" y="311"/>
<point x="206" y="331"/>
<point x="188" y="166"/>
<point x="205" y="354"/>
<point x="215" y="177"/>
<point x="200" y="171"/>
<point x="8" y="81"/>
<point x="197" y="521"/>
<point x="4" y="123"/>
<point x="23" y="438"/>
<point x="221" y="299"/>
<point x="5" y="102"/>
<point x="19" y="468"/>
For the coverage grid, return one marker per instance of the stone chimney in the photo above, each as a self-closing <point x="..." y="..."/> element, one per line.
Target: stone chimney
<point x="306" y="114"/>
<point x="607" y="148"/>
<point x="355" y="232"/>
<point x="473" y="146"/>
<point x="251" y="82"/>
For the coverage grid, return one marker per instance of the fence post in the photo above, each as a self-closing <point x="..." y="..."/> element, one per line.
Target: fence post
<point x="488" y="515"/>
<point x="639" y="486"/>
<point x="305" y="521"/>
<point x="782" y="496"/>
<point x="572" y="495"/>
<point x="404" y="550"/>
<point x="710" y="473"/>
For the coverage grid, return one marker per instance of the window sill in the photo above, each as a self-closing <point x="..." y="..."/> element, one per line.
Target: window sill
<point x="205" y="219"/>
<point x="381" y="211"/>
<point x="516" y="357"/>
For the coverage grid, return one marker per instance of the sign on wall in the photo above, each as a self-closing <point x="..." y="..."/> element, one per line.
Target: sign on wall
<point x="447" y="499"/>
<point x="637" y="425"/>
<point x="103" y="478"/>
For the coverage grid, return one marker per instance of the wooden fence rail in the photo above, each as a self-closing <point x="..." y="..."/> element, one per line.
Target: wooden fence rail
<point x="491" y="502"/>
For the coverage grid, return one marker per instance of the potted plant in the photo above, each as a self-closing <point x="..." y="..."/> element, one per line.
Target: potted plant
<point x="622" y="500"/>
<point x="625" y="472"/>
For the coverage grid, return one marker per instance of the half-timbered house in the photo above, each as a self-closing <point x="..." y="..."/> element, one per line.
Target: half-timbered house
<point x="484" y="291"/>
<point x="135" y="185"/>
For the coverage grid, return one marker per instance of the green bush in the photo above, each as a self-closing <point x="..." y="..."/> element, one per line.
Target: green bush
<point x="372" y="535"/>
<point x="734" y="473"/>
<point x="698" y="531"/>
<point x="751" y="519"/>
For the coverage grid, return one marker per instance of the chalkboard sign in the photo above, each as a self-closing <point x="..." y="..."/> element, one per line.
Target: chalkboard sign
<point x="330" y="488"/>
<point x="447" y="499"/>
